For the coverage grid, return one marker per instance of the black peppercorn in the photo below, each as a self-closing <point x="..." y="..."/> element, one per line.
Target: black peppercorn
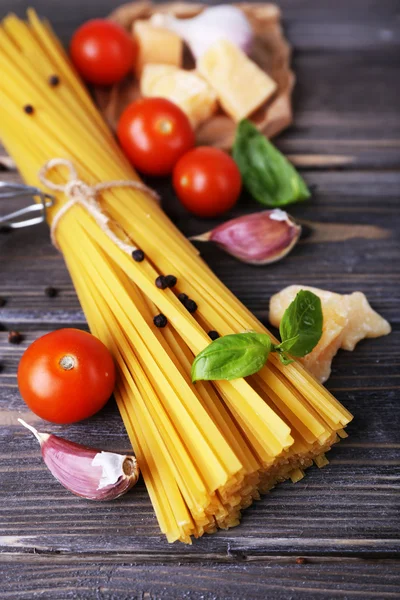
<point x="28" y="108"/>
<point x="161" y="282"/>
<point x="51" y="292"/>
<point x="138" y="255"/>
<point x="3" y="301"/>
<point x="54" y="80"/>
<point x="160" y="320"/>
<point x="15" y="337"/>
<point x="190" y="305"/>
<point x="183" y="297"/>
<point x="214" y="335"/>
<point x="170" y="280"/>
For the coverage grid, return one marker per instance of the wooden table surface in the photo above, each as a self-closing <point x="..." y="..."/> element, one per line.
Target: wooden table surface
<point x="345" y="518"/>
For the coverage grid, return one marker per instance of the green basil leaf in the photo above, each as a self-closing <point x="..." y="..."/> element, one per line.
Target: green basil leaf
<point x="302" y="318"/>
<point x="269" y="177"/>
<point x="287" y="344"/>
<point x="285" y="360"/>
<point x="232" y="356"/>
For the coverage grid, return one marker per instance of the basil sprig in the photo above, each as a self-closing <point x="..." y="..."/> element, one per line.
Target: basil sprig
<point x="243" y="354"/>
<point x="232" y="356"/>
<point x="269" y="177"/>
<point x="301" y="325"/>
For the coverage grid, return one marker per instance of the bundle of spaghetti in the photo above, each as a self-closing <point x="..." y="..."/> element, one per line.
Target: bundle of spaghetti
<point x="206" y="451"/>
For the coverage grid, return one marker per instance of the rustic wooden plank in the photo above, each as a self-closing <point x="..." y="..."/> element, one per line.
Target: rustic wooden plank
<point x="311" y="25"/>
<point x="336" y="119"/>
<point x="369" y="265"/>
<point x="31" y="577"/>
<point x="368" y="464"/>
<point x="334" y="116"/>
<point x="346" y="103"/>
<point x="349" y="507"/>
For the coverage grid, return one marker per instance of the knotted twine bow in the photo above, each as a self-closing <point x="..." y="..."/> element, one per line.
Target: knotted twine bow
<point x="79" y="192"/>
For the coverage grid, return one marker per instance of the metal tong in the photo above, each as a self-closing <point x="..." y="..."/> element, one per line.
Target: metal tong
<point x="15" y="190"/>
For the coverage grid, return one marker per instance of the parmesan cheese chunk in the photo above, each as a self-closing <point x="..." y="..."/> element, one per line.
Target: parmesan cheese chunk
<point x="156" y="45"/>
<point x="185" y="88"/>
<point x="348" y="319"/>
<point x="241" y="85"/>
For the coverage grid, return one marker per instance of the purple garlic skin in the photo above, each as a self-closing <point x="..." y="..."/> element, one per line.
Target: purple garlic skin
<point x="87" y="472"/>
<point x="257" y="239"/>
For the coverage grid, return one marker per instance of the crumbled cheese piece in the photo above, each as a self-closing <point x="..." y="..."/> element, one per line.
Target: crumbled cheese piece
<point x="348" y="319"/>
<point x="185" y="88"/>
<point x="241" y="85"/>
<point x="156" y="45"/>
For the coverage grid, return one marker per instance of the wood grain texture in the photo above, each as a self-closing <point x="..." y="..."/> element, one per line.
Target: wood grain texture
<point x="353" y="502"/>
<point x="346" y="62"/>
<point x="123" y="578"/>
<point x="344" y="518"/>
<point x="346" y="110"/>
<point x="368" y="265"/>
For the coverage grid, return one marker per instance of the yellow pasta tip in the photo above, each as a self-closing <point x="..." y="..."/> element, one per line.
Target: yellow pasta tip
<point x="208" y="450"/>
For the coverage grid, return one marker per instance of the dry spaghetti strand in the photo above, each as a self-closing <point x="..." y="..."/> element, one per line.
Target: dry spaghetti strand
<point x="205" y="451"/>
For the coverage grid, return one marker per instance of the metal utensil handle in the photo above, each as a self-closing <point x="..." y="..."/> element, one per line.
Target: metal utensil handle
<point x="14" y="190"/>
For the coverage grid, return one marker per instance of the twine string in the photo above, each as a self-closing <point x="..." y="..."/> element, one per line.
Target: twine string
<point x="79" y="192"/>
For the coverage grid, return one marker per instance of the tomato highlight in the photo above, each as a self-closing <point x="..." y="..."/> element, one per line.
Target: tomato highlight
<point x="66" y="376"/>
<point x="207" y="181"/>
<point x="154" y="133"/>
<point x="103" y="52"/>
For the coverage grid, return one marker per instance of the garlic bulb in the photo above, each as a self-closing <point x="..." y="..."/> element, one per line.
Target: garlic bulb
<point x="258" y="239"/>
<point x="86" y="472"/>
<point x="211" y="25"/>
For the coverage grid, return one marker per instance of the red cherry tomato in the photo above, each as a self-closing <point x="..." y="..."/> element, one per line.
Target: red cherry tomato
<point x="207" y="181"/>
<point x="66" y="376"/>
<point x="154" y="133"/>
<point x="103" y="52"/>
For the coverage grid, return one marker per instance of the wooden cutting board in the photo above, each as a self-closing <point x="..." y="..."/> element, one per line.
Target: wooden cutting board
<point x="270" y="51"/>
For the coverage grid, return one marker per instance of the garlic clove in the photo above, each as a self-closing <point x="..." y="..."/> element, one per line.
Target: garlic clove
<point x="86" y="472"/>
<point x="258" y="239"/>
<point x="210" y="26"/>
